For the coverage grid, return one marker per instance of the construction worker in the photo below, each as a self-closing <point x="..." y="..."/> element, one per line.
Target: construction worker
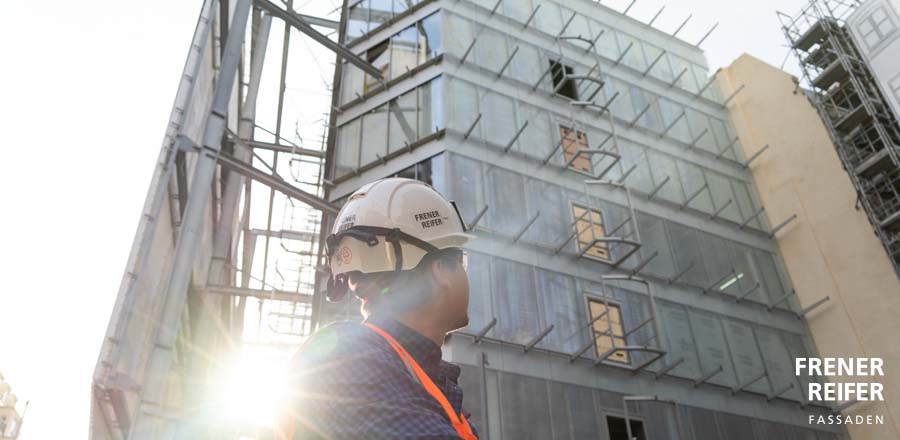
<point x="396" y="244"/>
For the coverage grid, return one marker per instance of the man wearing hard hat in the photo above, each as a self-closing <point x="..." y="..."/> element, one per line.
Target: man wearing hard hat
<point x="396" y="244"/>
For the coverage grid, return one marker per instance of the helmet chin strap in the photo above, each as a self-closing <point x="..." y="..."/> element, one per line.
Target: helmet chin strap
<point x="394" y="239"/>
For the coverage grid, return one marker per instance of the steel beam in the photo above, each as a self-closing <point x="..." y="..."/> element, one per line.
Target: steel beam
<point x="277" y="295"/>
<point x="288" y="149"/>
<point x="300" y="23"/>
<point x="275" y="181"/>
<point x="150" y="421"/>
<point x="319" y="21"/>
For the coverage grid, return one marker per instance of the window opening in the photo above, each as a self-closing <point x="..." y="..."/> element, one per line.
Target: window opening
<point x="618" y="431"/>
<point x="589" y="227"/>
<point x="608" y="329"/>
<point x="379" y="57"/>
<point x="563" y="85"/>
<point x="574" y="140"/>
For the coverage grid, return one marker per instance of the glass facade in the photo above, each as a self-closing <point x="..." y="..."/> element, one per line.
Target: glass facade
<point x="407" y="49"/>
<point x="519" y="136"/>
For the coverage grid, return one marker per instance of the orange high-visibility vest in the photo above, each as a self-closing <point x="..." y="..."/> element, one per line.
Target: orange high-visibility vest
<point x="459" y="422"/>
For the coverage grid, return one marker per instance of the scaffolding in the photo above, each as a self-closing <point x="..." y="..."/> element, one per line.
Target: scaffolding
<point x="865" y="131"/>
<point x="225" y="257"/>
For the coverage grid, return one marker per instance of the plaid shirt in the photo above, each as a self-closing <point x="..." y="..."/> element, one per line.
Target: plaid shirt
<point x="349" y="383"/>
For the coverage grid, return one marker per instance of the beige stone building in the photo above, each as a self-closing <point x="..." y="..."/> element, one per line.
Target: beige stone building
<point x="830" y="250"/>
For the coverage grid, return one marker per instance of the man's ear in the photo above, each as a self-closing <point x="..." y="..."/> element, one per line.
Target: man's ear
<point x="441" y="273"/>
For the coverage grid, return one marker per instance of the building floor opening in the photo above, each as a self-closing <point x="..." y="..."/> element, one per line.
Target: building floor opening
<point x="618" y="431"/>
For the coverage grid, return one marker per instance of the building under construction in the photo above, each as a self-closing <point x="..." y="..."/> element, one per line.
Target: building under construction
<point x="627" y="281"/>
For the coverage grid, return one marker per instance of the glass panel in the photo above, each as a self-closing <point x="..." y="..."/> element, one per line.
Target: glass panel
<point x="744" y="202"/>
<point x="732" y="135"/>
<point x="606" y="46"/>
<point x="583" y="419"/>
<point x="712" y="347"/>
<point x="557" y="295"/>
<point x="430" y="44"/>
<point x="703" y="423"/>
<point x="745" y="354"/>
<point x="699" y="125"/>
<point x="736" y="427"/>
<point x="518" y="10"/>
<point x="490" y="50"/>
<point x="551" y="226"/>
<point x="578" y="28"/>
<point x="633" y="155"/>
<point x="402" y="118"/>
<point x="358" y="20"/>
<point x="702" y="77"/>
<point x="769" y="430"/>
<point x="722" y="139"/>
<point x="401" y="6"/>
<point x="506" y="196"/>
<point x="748" y="275"/>
<point x="662" y="70"/>
<point x="717" y="259"/>
<point x="685" y="81"/>
<point x="381" y="11"/>
<point x="526" y="65"/>
<point x="692" y="179"/>
<point x="525" y="408"/>
<point x="466" y="186"/>
<point x="621" y="107"/>
<point x="463" y="106"/>
<point x="537" y="140"/>
<point x="650" y="118"/>
<point x="472" y="387"/>
<point x="479" y="272"/>
<point x="499" y="118"/>
<point x="677" y="330"/>
<point x="374" y="128"/>
<point x="431" y="107"/>
<point x="352" y="86"/>
<point x="654" y="239"/>
<point x="720" y="187"/>
<point x="404" y="55"/>
<point x="770" y="278"/>
<point x="779" y="363"/>
<point x="347" y="154"/>
<point x="687" y="251"/>
<point x="663" y="167"/>
<point x="549" y="18"/>
<point x="635" y="56"/>
<point x="458" y="33"/>
<point x="515" y="302"/>
<point x="670" y="113"/>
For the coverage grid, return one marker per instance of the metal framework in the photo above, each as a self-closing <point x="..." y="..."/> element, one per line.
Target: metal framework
<point x="221" y="271"/>
<point x="864" y="130"/>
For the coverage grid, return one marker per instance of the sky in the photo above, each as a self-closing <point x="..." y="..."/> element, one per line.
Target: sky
<point x="87" y="88"/>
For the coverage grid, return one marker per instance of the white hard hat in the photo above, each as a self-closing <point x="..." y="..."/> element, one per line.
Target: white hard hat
<point x="390" y="225"/>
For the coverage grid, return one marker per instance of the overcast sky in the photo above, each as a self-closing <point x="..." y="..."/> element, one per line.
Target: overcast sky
<point x="87" y="87"/>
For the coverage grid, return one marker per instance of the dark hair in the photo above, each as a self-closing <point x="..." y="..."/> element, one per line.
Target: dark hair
<point x="393" y="292"/>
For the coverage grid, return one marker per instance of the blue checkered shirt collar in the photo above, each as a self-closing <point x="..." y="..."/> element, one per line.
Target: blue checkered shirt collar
<point x="425" y="351"/>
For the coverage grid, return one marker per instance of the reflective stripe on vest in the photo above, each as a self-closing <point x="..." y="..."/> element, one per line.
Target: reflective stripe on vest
<point x="460" y="424"/>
